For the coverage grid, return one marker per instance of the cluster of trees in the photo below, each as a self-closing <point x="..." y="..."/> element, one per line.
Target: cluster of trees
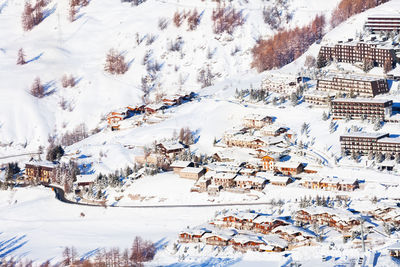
<point x="319" y="201"/>
<point x="226" y="19"/>
<point x="11" y="170"/>
<point x="79" y="133"/>
<point x="33" y="14"/>
<point x="206" y="77"/>
<point x="37" y="88"/>
<point x="193" y="19"/>
<point x="115" y="62"/>
<point x="54" y="152"/>
<point x="286" y="46"/>
<point x="348" y="8"/>
<point x="140" y="252"/>
<point x="274" y="14"/>
<point x="186" y="136"/>
<point x="68" y="81"/>
<point x="253" y="94"/>
<point x="65" y="175"/>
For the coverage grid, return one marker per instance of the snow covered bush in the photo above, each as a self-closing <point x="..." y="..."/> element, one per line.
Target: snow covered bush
<point x="67" y="81"/>
<point x="162" y="23"/>
<point x="115" y="63"/>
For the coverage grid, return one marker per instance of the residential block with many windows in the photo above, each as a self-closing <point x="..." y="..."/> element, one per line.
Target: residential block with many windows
<point x="356" y="108"/>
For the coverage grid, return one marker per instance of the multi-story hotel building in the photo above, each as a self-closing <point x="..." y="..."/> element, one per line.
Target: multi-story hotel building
<point x="377" y="23"/>
<point x="362" y="85"/>
<point x="356" y="108"/>
<point x="363" y="143"/>
<point x="378" y="52"/>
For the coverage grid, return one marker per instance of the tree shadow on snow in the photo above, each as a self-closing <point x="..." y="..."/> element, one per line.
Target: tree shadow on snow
<point x="35" y="58"/>
<point x="49" y="88"/>
<point x="11" y="245"/>
<point x="48" y="12"/>
<point x="208" y="262"/>
<point x="2" y="6"/>
<point x="160" y="244"/>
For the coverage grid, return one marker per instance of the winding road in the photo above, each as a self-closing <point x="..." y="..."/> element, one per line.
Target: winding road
<point x="60" y="195"/>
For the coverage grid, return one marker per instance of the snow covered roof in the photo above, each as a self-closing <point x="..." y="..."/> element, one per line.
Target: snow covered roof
<point x="42" y="163"/>
<point x="255" y="180"/>
<point x="394" y="246"/>
<point x="256" y="117"/>
<point x="225" y="175"/>
<point x="88" y="178"/>
<point x="279" y="179"/>
<point x="341" y="214"/>
<point x="275" y="240"/>
<point x="361" y="100"/>
<point x="389" y="140"/>
<point x="196" y="231"/>
<point x="287" y="164"/>
<point x="243" y="239"/>
<point x="265" y="219"/>
<point x="364" y="135"/>
<point x="180" y="164"/>
<point x="349" y="76"/>
<point x="172" y="145"/>
<point x="196" y="170"/>
<point x="291" y="229"/>
<point x="317" y="93"/>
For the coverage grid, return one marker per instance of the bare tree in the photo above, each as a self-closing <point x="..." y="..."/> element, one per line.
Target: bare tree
<point x="115" y="63"/>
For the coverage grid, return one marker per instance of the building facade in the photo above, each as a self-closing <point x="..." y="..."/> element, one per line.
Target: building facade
<point x="378" y="23"/>
<point x="362" y="85"/>
<point x="364" y="143"/>
<point x="351" y="52"/>
<point x="361" y="108"/>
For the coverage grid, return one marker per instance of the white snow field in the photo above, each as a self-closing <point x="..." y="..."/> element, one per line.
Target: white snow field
<point x="42" y="226"/>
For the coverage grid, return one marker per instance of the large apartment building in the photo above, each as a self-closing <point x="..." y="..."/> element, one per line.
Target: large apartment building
<point x="363" y="143"/>
<point x="377" y="23"/>
<point x="362" y="85"/>
<point x="364" y="108"/>
<point x="377" y="52"/>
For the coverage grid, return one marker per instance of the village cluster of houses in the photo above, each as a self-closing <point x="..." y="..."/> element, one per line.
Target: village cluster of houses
<point x="249" y="231"/>
<point x="114" y="118"/>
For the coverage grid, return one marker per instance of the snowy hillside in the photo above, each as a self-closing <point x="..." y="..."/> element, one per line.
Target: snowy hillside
<point x="57" y="46"/>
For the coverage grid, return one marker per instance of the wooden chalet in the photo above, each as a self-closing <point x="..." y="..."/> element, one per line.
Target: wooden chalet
<point x="274" y="243"/>
<point x="170" y="148"/>
<point x="178" y="165"/>
<point x="193" y="235"/>
<point x="280" y="180"/>
<point x="269" y="161"/>
<point x="85" y="180"/>
<point x="264" y="224"/>
<point x="257" y="121"/>
<point x="246" y="242"/>
<point x="241" y="220"/>
<point x="40" y="171"/>
<point x="289" y="167"/>
<point x="218" y="239"/>
<point x="250" y="182"/>
<point x="193" y="173"/>
<point x="226" y="180"/>
<point x="114" y="118"/>
<point x="330" y="184"/>
<point x="294" y="234"/>
<point x="341" y="220"/>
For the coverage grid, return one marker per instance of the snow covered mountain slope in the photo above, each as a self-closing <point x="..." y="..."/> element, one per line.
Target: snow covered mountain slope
<point x="56" y="47"/>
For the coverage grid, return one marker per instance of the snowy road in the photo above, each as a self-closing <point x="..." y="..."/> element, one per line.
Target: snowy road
<point x="60" y="195"/>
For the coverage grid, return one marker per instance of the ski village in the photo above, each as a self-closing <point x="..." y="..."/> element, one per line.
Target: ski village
<point x="200" y="133"/>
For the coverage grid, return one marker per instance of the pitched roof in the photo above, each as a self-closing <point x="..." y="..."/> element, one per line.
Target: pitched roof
<point x="180" y="164"/>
